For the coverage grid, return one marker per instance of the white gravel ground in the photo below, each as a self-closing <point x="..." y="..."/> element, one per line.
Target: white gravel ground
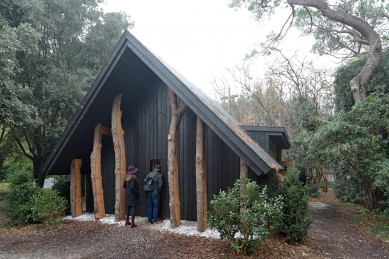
<point x="187" y="228"/>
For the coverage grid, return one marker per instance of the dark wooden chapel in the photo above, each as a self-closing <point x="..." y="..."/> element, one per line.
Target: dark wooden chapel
<point x="125" y="119"/>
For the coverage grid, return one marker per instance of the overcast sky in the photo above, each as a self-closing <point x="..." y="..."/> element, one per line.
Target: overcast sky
<point x="199" y="38"/>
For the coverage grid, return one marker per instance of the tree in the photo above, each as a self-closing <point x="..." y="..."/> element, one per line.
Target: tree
<point x="13" y="40"/>
<point x="379" y="81"/>
<point x="355" y="145"/>
<point x="76" y="38"/>
<point x="349" y="27"/>
<point x="294" y="94"/>
<point x="172" y="157"/>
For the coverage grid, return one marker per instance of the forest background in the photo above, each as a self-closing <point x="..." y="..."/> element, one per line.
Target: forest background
<point x="51" y="51"/>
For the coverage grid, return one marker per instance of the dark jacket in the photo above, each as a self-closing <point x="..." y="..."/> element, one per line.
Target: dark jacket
<point x="132" y="192"/>
<point x="157" y="179"/>
<point x="303" y="178"/>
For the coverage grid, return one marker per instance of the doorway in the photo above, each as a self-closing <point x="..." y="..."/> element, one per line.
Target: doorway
<point x="154" y="162"/>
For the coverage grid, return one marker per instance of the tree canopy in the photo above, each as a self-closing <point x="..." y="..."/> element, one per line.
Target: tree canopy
<point x="61" y="48"/>
<point x="347" y="28"/>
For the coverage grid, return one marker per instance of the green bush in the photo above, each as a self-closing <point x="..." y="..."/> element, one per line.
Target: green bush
<point x="48" y="206"/>
<point x="382" y="183"/>
<point x="244" y="215"/>
<point x="26" y="203"/>
<point x="313" y="189"/>
<point x="295" y="220"/>
<point x="62" y="186"/>
<point x="18" y="201"/>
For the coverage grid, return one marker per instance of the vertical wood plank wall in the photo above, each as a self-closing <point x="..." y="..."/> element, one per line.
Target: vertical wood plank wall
<point x="145" y="122"/>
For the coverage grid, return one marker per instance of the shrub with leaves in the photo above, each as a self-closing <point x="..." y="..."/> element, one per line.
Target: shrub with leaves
<point x="26" y="203"/>
<point x="244" y="214"/>
<point x="19" y="199"/>
<point x="295" y="220"/>
<point x="62" y="185"/>
<point x="48" y="206"/>
<point x="313" y="189"/>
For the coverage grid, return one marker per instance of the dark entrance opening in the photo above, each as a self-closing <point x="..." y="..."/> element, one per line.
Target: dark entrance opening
<point x="154" y="162"/>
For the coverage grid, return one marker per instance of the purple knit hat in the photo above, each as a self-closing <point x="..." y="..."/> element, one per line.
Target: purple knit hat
<point x="132" y="170"/>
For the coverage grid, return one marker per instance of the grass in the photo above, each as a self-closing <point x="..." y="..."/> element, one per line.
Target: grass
<point x="4" y="189"/>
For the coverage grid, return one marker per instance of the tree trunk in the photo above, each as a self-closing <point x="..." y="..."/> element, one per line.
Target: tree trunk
<point x="359" y="83"/>
<point x="201" y="177"/>
<point x="96" y="177"/>
<point x="120" y="158"/>
<point x="38" y="171"/>
<point x="172" y="163"/>
<point x="75" y="188"/>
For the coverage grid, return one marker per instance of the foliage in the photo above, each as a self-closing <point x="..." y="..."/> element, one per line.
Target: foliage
<point x="27" y="203"/>
<point x="355" y="145"/>
<point x="333" y="37"/>
<point x="382" y="183"/>
<point x="244" y="214"/>
<point x="4" y="190"/>
<point x="295" y="219"/>
<point x="345" y="29"/>
<point x="62" y="186"/>
<point x="19" y="199"/>
<point x="73" y="40"/>
<point x="48" y="206"/>
<point x="380" y="81"/>
<point x="13" y="40"/>
<point x="295" y="94"/>
<point x="313" y="189"/>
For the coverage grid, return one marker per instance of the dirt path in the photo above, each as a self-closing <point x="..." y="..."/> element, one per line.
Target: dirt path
<point x="331" y="236"/>
<point x="336" y="238"/>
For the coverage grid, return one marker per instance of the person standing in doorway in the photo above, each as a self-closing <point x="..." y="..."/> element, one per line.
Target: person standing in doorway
<point x="132" y="195"/>
<point x="153" y="197"/>
<point x="303" y="176"/>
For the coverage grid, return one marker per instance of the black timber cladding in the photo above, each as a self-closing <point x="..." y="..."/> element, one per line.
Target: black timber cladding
<point x="262" y="135"/>
<point x="142" y="61"/>
<point x="143" y="80"/>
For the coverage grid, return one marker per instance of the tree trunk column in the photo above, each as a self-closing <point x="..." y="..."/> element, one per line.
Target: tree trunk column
<point x="75" y="188"/>
<point x="172" y="159"/>
<point x="244" y="169"/>
<point x="201" y="177"/>
<point x="97" y="181"/>
<point x="120" y="158"/>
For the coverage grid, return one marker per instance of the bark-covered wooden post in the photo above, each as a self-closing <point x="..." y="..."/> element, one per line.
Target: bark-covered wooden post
<point x="172" y="160"/>
<point x="97" y="181"/>
<point x="75" y="188"/>
<point x="244" y="171"/>
<point x="120" y="158"/>
<point x="201" y="177"/>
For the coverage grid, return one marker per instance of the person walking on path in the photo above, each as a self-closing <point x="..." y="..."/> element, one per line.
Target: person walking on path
<point x="153" y="197"/>
<point x="303" y="176"/>
<point x="132" y="195"/>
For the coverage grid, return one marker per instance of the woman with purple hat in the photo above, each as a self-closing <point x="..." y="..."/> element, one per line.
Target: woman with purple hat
<point x="132" y="195"/>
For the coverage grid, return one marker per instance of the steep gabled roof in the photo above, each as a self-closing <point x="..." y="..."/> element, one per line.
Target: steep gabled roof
<point x="72" y="142"/>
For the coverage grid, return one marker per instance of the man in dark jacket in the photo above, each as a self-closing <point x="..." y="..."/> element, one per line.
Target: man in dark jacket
<point x="153" y="197"/>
